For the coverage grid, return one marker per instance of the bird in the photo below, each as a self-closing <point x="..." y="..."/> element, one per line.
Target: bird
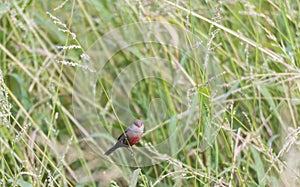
<point x="131" y="136"/>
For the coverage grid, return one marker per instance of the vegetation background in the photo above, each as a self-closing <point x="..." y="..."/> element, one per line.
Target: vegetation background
<point x="255" y="44"/>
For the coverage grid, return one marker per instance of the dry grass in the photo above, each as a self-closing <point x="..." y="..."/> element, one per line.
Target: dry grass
<point x="220" y="102"/>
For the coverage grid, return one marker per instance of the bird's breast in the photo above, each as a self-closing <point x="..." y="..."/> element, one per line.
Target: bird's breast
<point x="134" y="140"/>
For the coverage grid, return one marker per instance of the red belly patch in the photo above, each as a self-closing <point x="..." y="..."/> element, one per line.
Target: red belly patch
<point x="134" y="140"/>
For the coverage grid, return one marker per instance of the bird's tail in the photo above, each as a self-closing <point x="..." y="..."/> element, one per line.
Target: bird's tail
<point x="116" y="146"/>
<point x="108" y="152"/>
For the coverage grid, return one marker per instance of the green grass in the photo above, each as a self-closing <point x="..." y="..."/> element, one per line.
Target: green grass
<point x="221" y="109"/>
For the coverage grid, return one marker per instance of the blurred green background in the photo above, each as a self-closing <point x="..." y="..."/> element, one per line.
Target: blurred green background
<point x="58" y="118"/>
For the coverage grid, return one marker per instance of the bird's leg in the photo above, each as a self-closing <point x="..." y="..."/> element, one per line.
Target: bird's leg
<point x="130" y="150"/>
<point x="129" y="147"/>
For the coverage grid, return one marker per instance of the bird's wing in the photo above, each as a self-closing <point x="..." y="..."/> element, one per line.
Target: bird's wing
<point x="122" y="137"/>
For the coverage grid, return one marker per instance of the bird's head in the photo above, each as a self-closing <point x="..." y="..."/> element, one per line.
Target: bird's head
<point x="138" y="123"/>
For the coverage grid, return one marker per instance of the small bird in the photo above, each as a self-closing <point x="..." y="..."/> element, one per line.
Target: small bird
<point x="131" y="136"/>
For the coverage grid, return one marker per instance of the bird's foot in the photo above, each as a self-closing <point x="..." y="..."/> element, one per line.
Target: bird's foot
<point x="131" y="152"/>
